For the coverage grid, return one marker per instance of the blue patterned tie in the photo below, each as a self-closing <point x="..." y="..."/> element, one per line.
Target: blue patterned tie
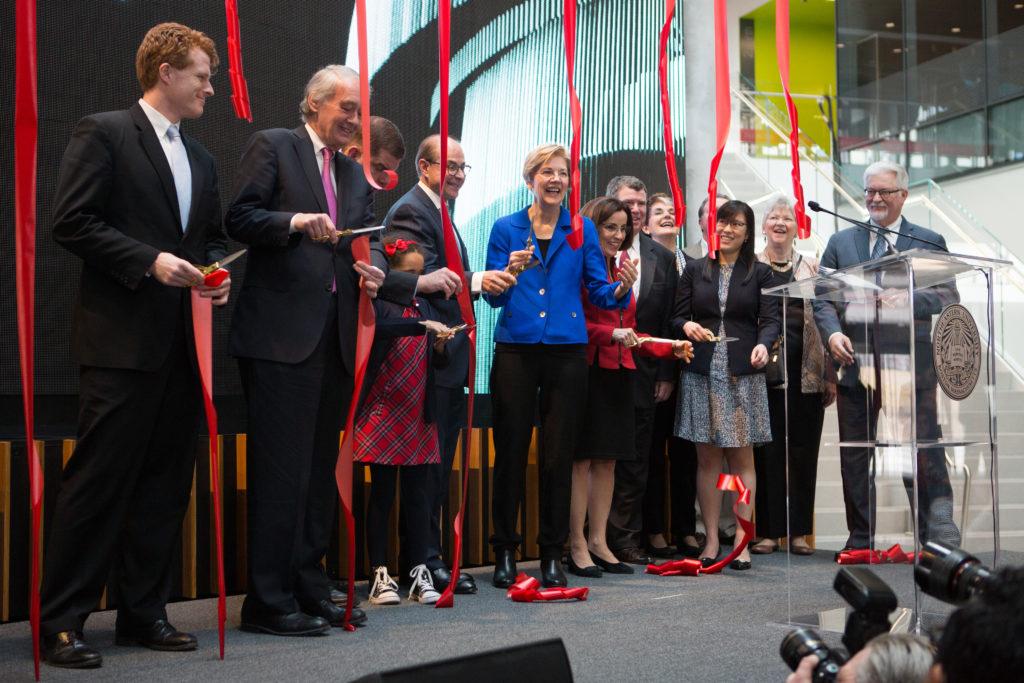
<point x="879" y="249"/>
<point x="182" y="173"/>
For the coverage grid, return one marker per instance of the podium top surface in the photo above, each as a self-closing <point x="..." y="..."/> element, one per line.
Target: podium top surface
<point x="930" y="268"/>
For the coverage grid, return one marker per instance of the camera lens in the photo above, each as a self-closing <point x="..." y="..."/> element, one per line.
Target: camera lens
<point x="804" y="642"/>
<point x="949" y="574"/>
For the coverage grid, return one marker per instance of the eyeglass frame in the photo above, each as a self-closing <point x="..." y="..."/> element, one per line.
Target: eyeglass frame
<point x="465" y="168"/>
<point x="884" y="194"/>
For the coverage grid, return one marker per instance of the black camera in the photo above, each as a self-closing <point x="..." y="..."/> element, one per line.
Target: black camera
<point x="950" y="574"/>
<point x="804" y="642"/>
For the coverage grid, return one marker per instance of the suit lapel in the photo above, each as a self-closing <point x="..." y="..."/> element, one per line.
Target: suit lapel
<point x="149" y="143"/>
<point x="905" y="240"/>
<point x="343" y="176"/>
<point x="304" y="151"/>
<point x="648" y="262"/>
<point x="860" y="241"/>
<point x="198" y="181"/>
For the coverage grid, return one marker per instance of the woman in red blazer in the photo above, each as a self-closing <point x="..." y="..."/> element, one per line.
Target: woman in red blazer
<point x="608" y="417"/>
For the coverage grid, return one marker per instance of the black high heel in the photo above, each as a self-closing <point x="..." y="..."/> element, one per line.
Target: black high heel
<point x="739" y="565"/>
<point x="612" y="567"/>
<point x="591" y="572"/>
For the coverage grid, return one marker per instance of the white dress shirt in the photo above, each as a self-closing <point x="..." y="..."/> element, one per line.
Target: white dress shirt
<point x="318" y="154"/>
<point x="633" y="254"/>
<point x="177" y="157"/>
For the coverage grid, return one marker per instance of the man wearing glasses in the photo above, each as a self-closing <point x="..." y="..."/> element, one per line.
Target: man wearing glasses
<point x="417" y="216"/>
<point x="885" y="191"/>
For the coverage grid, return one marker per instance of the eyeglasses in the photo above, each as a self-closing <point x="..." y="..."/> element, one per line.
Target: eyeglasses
<point x="454" y="168"/>
<point x="738" y="225"/>
<point x="615" y="229"/>
<point x="884" y="194"/>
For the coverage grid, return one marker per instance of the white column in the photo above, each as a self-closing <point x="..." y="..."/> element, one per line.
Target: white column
<point x="699" y="47"/>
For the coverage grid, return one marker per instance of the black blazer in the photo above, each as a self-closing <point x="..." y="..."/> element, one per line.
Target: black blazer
<point x="417" y="218"/>
<point x="390" y="326"/>
<point x="654" y="307"/>
<point x="753" y="318"/>
<point x="116" y="208"/>
<point x="286" y="296"/>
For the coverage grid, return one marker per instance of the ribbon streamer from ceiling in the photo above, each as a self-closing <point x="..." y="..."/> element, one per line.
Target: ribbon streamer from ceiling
<point x="803" y="221"/>
<point x="678" y="200"/>
<point x="239" y="87"/>
<point x="722" y="116"/>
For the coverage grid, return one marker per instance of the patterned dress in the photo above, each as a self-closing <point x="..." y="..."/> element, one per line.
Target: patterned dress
<point x="720" y="409"/>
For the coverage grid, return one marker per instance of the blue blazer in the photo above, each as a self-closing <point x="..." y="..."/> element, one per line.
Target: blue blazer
<point x="546" y="307"/>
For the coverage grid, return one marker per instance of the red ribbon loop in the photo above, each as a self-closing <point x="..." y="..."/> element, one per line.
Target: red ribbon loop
<point x="803" y="221"/>
<point x="666" y="115"/>
<point x="527" y="589"/>
<point x="687" y="567"/>
<point x="894" y="555"/>
<point x="239" y="87"/>
<point x="364" y="100"/>
<point x="575" y="237"/>
<point x="216" y="278"/>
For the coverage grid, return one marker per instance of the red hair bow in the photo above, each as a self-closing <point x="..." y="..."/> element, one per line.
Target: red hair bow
<point x="399" y="246"/>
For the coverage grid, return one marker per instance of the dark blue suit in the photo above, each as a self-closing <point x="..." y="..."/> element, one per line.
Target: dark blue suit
<point x="859" y="406"/>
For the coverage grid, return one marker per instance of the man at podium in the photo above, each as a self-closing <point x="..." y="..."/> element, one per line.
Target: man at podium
<point x="861" y="390"/>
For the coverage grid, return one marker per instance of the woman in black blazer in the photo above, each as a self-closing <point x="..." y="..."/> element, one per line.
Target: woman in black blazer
<point x="723" y="400"/>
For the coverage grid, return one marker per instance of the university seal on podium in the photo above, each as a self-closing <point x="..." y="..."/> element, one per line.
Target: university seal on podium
<point x="957" y="351"/>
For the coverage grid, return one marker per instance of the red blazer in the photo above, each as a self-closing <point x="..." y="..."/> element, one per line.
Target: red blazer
<point x="612" y="355"/>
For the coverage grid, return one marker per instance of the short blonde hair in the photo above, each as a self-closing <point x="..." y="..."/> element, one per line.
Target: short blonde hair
<point x="172" y="44"/>
<point x="539" y="156"/>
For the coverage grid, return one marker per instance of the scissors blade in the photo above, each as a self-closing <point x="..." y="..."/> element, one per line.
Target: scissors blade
<point x="228" y="259"/>
<point x="358" y="231"/>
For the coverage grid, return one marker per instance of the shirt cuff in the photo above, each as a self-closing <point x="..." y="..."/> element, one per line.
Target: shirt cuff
<point x="291" y="224"/>
<point x="476" y="283"/>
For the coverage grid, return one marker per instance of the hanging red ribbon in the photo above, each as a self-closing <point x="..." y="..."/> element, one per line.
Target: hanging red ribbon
<point x="453" y="257"/>
<point x="894" y="555"/>
<point x="239" y="88"/>
<point x="575" y="238"/>
<point x="202" y="329"/>
<point x="364" y="99"/>
<point x="803" y="221"/>
<point x="26" y="135"/>
<point x="527" y="589"/>
<point x="726" y="482"/>
<point x="666" y="114"/>
<point x="722" y="116"/>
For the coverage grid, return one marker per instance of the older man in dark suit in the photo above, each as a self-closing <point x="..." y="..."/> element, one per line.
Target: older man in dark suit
<point x="137" y="201"/>
<point x="885" y="191"/>
<point x="294" y="333"/>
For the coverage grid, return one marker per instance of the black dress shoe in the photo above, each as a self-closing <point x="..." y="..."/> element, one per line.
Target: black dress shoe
<point x="665" y="553"/>
<point x="706" y="562"/>
<point x="551" y="574"/>
<point x="441" y="576"/>
<point x="333" y="614"/>
<point x="466" y="585"/>
<point x="294" y="624"/>
<point x="612" y="567"/>
<point x="159" y="635"/>
<point x="591" y="572"/>
<point x="739" y="565"/>
<point x="67" y="649"/>
<point x="504" y="568"/>
<point x="632" y="556"/>
<point x="689" y="550"/>
<point x="339" y="596"/>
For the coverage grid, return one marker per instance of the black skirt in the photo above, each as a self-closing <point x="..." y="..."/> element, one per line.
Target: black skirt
<point x="608" y="422"/>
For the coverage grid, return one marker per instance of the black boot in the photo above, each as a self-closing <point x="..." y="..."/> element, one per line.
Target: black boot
<point x="504" y="568"/>
<point x="551" y="575"/>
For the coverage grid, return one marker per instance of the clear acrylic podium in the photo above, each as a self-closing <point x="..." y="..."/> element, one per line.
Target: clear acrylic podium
<point x="910" y="463"/>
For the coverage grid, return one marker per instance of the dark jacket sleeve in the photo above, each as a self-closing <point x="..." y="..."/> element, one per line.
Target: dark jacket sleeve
<point x="247" y="220"/>
<point x="769" y="320"/>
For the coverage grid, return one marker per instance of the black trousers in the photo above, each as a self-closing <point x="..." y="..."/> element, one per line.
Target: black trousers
<point x="633" y="478"/>
<point x="414" y="510"/>
<point x="450" y="416"/>
<point x="681" y="464"/>
<point x="295" y="414"/>
<point x="858" y="417"/>
<point x="806" y="416"/>
<point x="556" y="379"/>
<point x="124" y="492"/>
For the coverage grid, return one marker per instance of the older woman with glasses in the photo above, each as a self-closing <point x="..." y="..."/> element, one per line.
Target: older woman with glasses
<point x="723" y="401"/>
<point x="540" y="357"/>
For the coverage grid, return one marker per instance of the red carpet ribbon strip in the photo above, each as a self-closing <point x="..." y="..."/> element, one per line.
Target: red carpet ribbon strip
<point x="453" y="257"/>
<point x="726" y="482"/>
<point x="26" y="135"/>
<point x="666" y="114"/>
<point x="239" y="88"/>
<point x="364" y="99"/>
<point x="202" y="329"/>
<point x="722" y="116"/>
<point x="527" y="589"/>
<point x="894" y="555"/>
<point x="343" y="468"/>
<point x="575" y="238"/>
<point x="803" y="221"/>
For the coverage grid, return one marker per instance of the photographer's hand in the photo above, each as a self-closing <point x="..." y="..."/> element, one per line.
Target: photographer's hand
<point x="805" y="671"/>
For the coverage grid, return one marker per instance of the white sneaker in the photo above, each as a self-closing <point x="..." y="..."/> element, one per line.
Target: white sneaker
<point x="423" y="586"/>
<point x="384" y="590"/>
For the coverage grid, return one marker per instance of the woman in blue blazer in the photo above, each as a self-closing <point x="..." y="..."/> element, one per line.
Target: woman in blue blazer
<point x="540" y="354"/>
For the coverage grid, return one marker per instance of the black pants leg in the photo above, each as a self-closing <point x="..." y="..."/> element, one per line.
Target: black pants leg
<point x="857" y="422"/>
<point x="378" y="511"/>
<point x="626" y="520"/>
<point x="682" y="465"/>
<point x="450" y="416"/>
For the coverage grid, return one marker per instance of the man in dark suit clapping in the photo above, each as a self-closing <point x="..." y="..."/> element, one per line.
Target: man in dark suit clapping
<point x="137" y="201"/>
<point x="294" y="333"/>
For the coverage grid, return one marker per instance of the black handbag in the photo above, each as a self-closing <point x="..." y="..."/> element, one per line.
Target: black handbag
<point x="775" y="370"/>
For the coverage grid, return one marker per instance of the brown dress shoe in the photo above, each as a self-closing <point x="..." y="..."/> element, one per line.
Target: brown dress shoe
<point x="160" y="635"/>
<point x="632" y="556"/>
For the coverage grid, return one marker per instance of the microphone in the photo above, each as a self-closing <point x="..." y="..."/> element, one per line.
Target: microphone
<point x="878" y="230"/>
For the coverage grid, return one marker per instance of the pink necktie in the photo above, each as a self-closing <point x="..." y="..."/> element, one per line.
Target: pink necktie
<point x="332" y="199"/>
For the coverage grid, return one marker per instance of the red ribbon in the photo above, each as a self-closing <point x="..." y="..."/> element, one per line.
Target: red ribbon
<point x="575" y="238"/>
<point x="399" y="246"/>
<point x="666" y="114"/>
<point x="453" y="257"/>
<point x="726" y="482"/>
<point x="202" y="329"/>
<point x="803" y="221"/>
<point x="239" y="87"/>
<point x="722" y="116"/>
<point x="894" y="555"/>
<point x="26" y="135"/>
<point x="527" y="589"/>
<point x="364" y="99"/>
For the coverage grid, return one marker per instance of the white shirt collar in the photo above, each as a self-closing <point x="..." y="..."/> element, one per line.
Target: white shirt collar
<point x="434" y="197"/>
<point x="318" y="144"/>
<point x="159" y="122"/>
<point x="894" y="226"/>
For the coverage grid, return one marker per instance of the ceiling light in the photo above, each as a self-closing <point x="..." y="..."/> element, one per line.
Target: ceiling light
<point x="1019" y="5"/>
<point x="840" y="45"/>
<point x="890" y="24"/>
<point x="897" y="50"/>
<point x="955" y="29"/>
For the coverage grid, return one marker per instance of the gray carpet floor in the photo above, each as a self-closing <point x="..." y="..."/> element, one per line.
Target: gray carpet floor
<point x="641" y="627"/>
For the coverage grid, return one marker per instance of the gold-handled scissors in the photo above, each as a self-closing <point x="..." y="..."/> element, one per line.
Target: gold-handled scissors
<point x="217" y="265"/>
<point x="349" y="231"/>
<point x="518" y="270"/>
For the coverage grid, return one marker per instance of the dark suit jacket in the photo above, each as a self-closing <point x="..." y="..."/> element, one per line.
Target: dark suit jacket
<point x="753" y="318"/>
<point x="416" y="216"/>
<point x="116" y="208"/>
<point x="286" y="297"/>
<point x="654" y="308"/>
<point x="850" y="247"/>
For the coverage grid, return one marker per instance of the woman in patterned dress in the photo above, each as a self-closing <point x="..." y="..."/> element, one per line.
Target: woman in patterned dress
<point x="723" y="400"/>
